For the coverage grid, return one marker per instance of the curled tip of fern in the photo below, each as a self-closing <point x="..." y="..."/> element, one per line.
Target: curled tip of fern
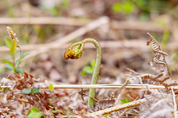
<point x="72" y="53"/>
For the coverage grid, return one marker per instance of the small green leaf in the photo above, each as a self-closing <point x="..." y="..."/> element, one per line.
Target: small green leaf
<point x="34" y="113"/>
<point x="106" y="115"/>
<point x="83" y="72"/>
<point x="13" y="49"/>
<point x="92" y="63"/>
<point x="9" y="67"/>
<point x="128" y="7"/>
<point x="67" y="113"/>
<point x="8" y="42"/>
<point x="123" y="101"/>
<point x="51" y="87"/>
<point x="117" y="7"/>
<point x="88" y="70"/>
<point x="19" y="70"/>
<point x="26" y="91"/>
<point x="127" y="100"/>
<point x="0" y="88"/>
<point x="5" y="89"/>
<point x="21" y="57"/>
<point x="7" y="62"/>
<point x="35" y="90"/>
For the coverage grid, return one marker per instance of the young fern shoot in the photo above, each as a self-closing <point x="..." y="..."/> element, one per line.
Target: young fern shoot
<point x="75" y="53"/>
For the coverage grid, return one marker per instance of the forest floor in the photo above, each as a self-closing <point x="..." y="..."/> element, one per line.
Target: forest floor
<point x="46" y="30"/>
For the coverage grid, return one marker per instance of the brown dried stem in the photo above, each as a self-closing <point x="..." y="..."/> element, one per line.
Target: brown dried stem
<point x="105" y="86"/>
<point x="117" y="108"/>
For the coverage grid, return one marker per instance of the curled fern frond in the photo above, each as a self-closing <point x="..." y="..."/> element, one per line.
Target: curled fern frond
<point x="158" y="61"/>
<point x="160" y="78"/>
<point x="74" y="52"/>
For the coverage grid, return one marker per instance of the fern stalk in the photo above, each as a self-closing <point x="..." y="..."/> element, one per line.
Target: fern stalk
<point x="76" y="53"/>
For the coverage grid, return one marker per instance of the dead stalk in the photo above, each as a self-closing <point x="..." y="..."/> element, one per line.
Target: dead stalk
<point x="105" y="86"/>
<point x="117" y="108"/>
<point x="174" y="101"/>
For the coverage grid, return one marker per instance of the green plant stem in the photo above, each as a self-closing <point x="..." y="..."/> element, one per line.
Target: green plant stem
<point x="13" y="61"/>
<point x="91" y="101"/>
<point x="73" y="54"/>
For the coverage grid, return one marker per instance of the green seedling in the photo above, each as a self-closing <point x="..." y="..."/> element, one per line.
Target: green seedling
<point x="30" y="91"/>
<point x="89" y="68"/>
<point x="126" y="100"/>
<point x="74" y="51"/>
<point x="67" y="113"/>
<point x="34" y="113"/>
<point x="51" y="87"/>
<point x="106" y="115"/>
<point x="4" y="90"/>
<point x="127" y="7"/>
<point x="12" y="44"/>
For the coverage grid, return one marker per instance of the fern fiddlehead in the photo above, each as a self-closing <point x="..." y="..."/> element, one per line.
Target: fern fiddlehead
<point x="75" y="53"/>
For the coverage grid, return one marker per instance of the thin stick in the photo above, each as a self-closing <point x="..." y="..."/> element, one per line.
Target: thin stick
<point x="44" y="20"/>
<point x="175" y="105"/>
<point x="132" y="43"/>
<point x="123" y="113"/>
<point x="122" y="87"/>
<point x="124" y="25"/>
<point x="80" y="22"/>
<point x="71" y="116"/>
<point x="130" y="25"/>
<point x="117" y="108"/>
<point x="105" y="86"/>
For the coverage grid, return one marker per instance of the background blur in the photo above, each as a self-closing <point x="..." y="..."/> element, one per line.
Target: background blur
<point x="47" y="27"/>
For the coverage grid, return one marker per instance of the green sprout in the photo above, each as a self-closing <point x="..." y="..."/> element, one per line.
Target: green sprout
<point x="34" y="113"/>
<point x="12" y="44"/>
<point x="30" y="91"/>
<point x="89" y="68"/>
<point x="74" y="52"/>
<point x="51" y="87"/>
<point x="126" y="100"/>
<point x="67" y="113"/>
<point x="127" y="6"/>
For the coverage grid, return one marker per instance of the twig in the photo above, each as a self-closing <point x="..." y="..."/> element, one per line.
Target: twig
<point x="125" y="25"/>
<point x="132" y="43"/>
<point x="175" y="104"/>
<point x="72" y="116"/>
<point x="81" y="92"/>
<point x="123" y="113"/>
<point x="122" y="87"/>
<point x="105" y="86"/>
<point x="144" y="26"/>
<point x="23" y="100"/>
<point x="44" y="20"/>
<point x="117" y="107"/>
